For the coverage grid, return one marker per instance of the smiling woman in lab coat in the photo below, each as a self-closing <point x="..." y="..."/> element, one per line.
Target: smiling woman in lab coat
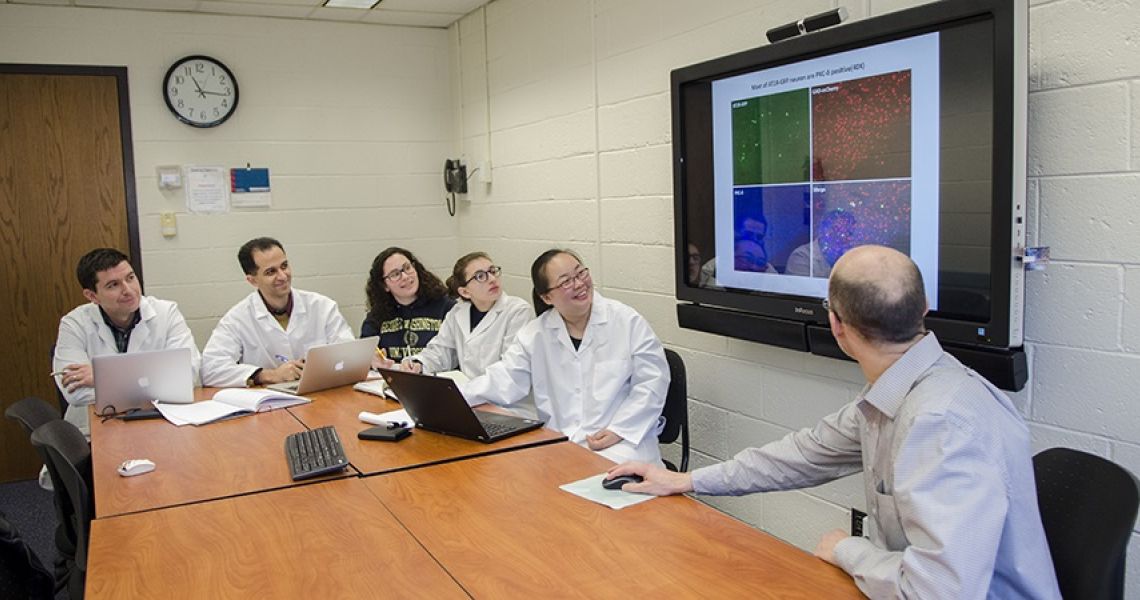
<point x="597" y="370"/>
<point x="479" y="327"/>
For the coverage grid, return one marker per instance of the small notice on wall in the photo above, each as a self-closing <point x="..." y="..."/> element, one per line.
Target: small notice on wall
<point x="250" y="187"/>
<point x="207" y="190"/>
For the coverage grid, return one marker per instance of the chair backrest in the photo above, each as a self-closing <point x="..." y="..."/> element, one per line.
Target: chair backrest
<point x="22" y="575"/>
<point x="67" y="450"/>
<point x="31" y="412"/>
<point x="1088" y="507"/>
<point x="676" y="411"/>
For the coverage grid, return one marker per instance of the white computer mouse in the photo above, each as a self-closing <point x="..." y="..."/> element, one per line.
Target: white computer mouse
<point x="137" y="466"/>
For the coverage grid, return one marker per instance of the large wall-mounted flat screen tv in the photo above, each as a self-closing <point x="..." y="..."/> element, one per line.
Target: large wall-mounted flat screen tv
<point x="905" y="130"/>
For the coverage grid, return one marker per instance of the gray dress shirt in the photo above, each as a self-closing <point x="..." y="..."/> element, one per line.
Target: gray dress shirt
<point x="948" y="477"/>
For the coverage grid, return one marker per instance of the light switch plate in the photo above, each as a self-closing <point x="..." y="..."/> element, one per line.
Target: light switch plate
<point x="169" y="224"/>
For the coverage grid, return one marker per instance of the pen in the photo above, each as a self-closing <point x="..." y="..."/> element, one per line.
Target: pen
<point x="380" y="353"/>
<point x="57" y="373"/>
<point x="281" y="358"/>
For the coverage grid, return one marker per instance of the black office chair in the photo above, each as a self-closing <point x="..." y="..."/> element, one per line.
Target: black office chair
<point x="22" y="575"/>
<point x="31" y="413"/>
<point x="70" y="455"/>
<point x="676" y="411"/>
<point x="1088" y="507"/>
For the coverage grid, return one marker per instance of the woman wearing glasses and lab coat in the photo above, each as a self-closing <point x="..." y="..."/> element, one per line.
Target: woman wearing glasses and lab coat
<point x="406" y="305"/>
<point x="479" y="327"/>
<point x="597" y="370"/>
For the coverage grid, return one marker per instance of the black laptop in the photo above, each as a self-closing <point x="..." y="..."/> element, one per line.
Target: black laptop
<point x="436" y="404"/>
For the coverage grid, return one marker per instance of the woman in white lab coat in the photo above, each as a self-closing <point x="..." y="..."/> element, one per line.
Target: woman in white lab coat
<point x="597" y="370"/>
<point x="479" y="327"/>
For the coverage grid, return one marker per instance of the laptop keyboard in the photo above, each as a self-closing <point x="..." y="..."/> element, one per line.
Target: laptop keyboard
<point x="495" y="428"/>
<point x="314" y="452"/>
<point x="287" y="387"/>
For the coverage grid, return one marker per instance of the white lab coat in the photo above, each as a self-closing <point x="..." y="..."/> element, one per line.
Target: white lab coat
<point x="616" y="380"/>
<point x="456" y="345"/>
<point x="83" y="335"/>
<point x="249" y="338"/>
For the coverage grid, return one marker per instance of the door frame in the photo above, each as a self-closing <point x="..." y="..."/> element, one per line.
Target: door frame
<point x="126" y="141"/>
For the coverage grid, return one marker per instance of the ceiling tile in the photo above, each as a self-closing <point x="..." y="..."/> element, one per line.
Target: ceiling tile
<point x="416" y="19"/>
<point x="51" y="2"/>
<point x="460" y="7"/>
<point x="173" y="5"/>
<point x="338" y="14"/>
<point x="254" y="10"/>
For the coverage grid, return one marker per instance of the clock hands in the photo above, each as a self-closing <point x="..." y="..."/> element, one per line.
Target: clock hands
<point x="201" y="93"/>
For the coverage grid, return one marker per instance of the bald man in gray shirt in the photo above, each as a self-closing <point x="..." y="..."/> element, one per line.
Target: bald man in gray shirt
<point x="948" y="472"/>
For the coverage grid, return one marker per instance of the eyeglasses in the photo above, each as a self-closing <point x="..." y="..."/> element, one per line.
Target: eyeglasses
<point x="407" y="269"/>
<point x="582" y="276"/>
<point x="483" y="276"/>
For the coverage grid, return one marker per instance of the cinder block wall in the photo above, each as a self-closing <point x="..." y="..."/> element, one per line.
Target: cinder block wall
<point x="353" y="121"/>
<point x="569" y="102"/>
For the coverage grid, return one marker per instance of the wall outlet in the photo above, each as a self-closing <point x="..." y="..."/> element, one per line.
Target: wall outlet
<point x="858" y="523"/>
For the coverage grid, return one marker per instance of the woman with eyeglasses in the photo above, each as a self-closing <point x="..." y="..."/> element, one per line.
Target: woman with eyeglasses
<point x="406" y="305"/>
<point x="597" y="371"/>
<point x="479" y="327"/>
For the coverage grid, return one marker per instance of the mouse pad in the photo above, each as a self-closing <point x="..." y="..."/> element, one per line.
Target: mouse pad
<point x="591" y="489"/>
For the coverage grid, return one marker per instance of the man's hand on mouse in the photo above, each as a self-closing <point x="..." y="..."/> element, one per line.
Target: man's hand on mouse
<point x="602" y="440"/>
<point x="657" y="480"/>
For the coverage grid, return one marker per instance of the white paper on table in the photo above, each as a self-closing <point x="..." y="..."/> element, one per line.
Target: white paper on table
<point x="174" y="419"/>
<point x="591" y="489"/>
<point x="195" y="413"/>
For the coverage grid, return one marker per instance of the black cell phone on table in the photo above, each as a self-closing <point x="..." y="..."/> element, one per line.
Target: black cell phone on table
<point x="142" y="413"/>
<point x="384" y="433"/>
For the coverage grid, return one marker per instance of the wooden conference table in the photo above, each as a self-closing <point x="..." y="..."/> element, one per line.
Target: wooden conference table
<point x="327" y="540"/>
<point x="492" y="525"/>
<point x="502" y="528"/>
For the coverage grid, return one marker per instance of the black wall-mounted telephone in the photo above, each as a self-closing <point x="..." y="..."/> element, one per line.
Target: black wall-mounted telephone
<point x="455" y="176"/>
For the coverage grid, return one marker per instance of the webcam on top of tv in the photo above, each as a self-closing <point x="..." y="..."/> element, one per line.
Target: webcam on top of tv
<point x="807" y="25"/>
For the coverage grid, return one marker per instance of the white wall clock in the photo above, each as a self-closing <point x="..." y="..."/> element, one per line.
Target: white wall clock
<point x="200" y="91"/>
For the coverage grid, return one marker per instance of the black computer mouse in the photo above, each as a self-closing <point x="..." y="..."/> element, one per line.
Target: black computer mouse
<point x="620" y="480"/>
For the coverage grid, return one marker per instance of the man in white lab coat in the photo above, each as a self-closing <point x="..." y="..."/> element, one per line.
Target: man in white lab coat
<point x="263" y="339"/>
<point x="117" y="319"/>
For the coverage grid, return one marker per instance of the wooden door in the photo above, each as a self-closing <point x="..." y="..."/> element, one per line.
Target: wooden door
<point x="66" y="186"/>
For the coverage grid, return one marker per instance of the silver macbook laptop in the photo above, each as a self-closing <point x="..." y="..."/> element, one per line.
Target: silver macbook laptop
<point x="135" y="380"/>
<point x="436" y="404"/>
<point x="332" y="365"/>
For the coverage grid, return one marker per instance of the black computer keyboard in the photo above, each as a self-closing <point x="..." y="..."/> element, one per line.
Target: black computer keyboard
<point x="493" y="428"/>
<point x="314" y="452"/>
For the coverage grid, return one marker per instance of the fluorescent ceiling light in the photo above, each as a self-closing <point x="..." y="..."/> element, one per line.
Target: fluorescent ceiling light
<point x="366" y="4"/>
